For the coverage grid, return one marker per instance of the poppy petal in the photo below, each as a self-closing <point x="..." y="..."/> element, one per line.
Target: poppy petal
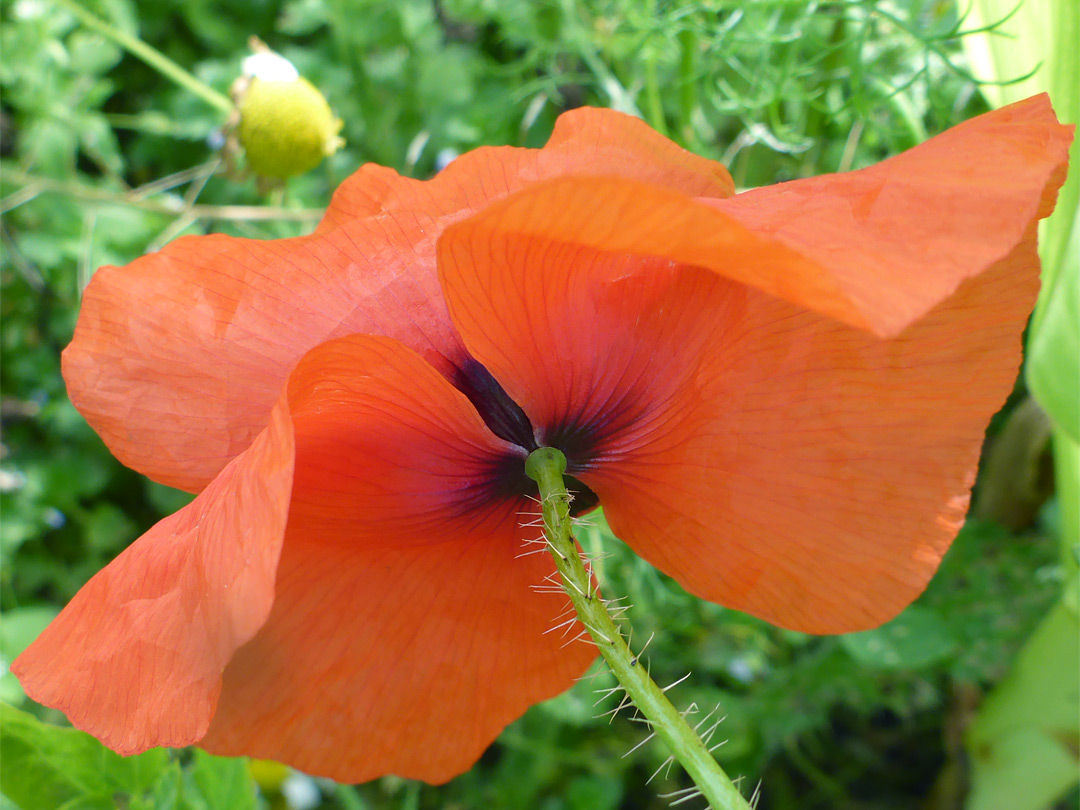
<point x="586" y="141"/>
<point x="598" y="141"/>
<point x="900" y="236"/>
<point x="769" y="458"/>
<point x="136" y="657"/>
<point x="813" y="475"/>
<point x="404" y="634"/>
<point x="178" y="357"/>
<point x="851" y="267"/>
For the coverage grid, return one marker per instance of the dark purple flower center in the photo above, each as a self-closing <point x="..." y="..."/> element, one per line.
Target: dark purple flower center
<point x="502" y="415"/>
<point x="507" y="420"/>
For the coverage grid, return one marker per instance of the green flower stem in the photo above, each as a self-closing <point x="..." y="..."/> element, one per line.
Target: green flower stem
<point x="151" y="56"/>
<point x="546" y="466"/>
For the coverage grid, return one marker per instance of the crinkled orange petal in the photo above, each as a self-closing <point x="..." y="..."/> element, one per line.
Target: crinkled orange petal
<point x="876" y="249"/>
<point x="136" y="657"/>
<point x="405" y="634"/>
<point x="586" y="141"/>
<point x="178" y="357"/>
<point x="768" y="457"/>
<point x="813" y="475"/>
<point x="896" y="238"/>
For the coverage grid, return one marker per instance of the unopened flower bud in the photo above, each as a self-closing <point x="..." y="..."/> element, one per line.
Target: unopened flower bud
<point x="286" y="126"/>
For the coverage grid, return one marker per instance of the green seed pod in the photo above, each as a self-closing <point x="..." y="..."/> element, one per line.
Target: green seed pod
<point x="286" y="126"/>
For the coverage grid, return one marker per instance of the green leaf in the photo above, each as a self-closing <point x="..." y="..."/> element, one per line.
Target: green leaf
<point x="168" y="790"/>
<point x="108" y="529"/>
<point x="594" y="793"/>
<point x="91" y="53"/>
<point x="99" y="142"/>
<point x="46" y="767"/>
<point x="1023" y="744"/>
<point x="1054" y="346"/>
<point x="916" y="638"/>
<point x="166" y="500"/>
<point x="1041" y="37"/>
<point x="1015" y="46"/>
<point x="21" y="626"/>
<point x="1025" y="770"/>
<point x="214" y="782"/>
<point x="1067" y="475"/>
<point x="17" y="629"/>
<point x="1043" y="689"/>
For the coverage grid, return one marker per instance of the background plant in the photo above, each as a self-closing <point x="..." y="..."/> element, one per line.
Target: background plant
<point x="103" y="157"/>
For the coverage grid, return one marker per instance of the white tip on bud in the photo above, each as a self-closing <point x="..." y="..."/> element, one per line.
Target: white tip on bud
<point x="270" y="67"/>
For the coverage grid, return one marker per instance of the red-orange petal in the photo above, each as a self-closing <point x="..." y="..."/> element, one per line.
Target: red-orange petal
<point x="178" y="357"/>
<point x="898" y="237"/>
<point x="815" y="475"/>
<point x="404" y="634"/>
<point x="586" y="141"/>
<point x="136" y="657"/>
<point x="768" y="457"/>
<point x="884" y="245"/>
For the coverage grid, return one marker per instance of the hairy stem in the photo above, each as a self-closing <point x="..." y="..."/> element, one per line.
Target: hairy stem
<point x="151" y="56"/>
<point x="546" y="466"/>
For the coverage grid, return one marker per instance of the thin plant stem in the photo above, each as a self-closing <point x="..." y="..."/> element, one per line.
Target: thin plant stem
<point x="34" y="186"/>
<point x="652" y="82"/>
<point x="687" y="88"/>
<point x="151" y="56"/>
<point x="546" y="466"/>
<point x="349" y="798"/>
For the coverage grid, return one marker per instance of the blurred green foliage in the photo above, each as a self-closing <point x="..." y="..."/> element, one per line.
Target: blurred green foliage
<point x="103" y="159"/>
<point x="65" y="768"/>
<point x="1025" y="740"/>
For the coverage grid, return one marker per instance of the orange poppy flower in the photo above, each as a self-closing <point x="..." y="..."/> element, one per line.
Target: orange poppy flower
<point x="777" y="396"/>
